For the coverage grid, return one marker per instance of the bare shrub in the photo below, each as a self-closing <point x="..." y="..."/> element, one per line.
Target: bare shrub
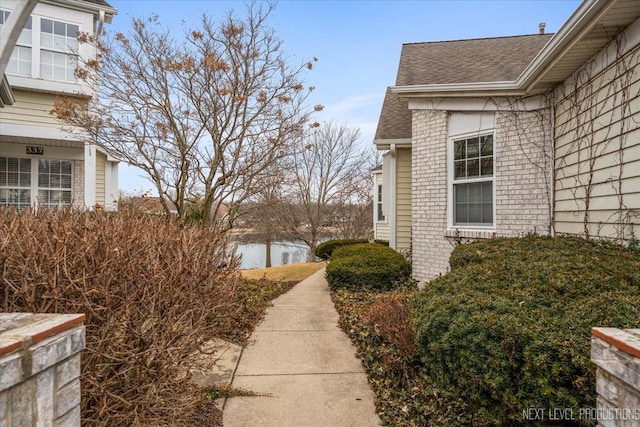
<point x="390" y="319"/>
<point x="153" y="290"/>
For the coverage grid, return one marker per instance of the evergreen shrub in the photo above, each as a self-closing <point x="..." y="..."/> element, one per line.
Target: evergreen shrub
<point x="325" y="249"/>
<point x="508" y="328"/>
<point x="367" y="266"/>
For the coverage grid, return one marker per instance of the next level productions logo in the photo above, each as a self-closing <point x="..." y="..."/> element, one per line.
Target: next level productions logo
<point x="572" y="414"/>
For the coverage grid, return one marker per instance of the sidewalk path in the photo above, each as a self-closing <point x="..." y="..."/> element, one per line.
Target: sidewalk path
<point x="304" y="365"/>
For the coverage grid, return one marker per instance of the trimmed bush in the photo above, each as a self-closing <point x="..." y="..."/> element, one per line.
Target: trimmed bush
<point x="366" y="266"/>
<point x="325" y="249"/>
<point x="381" y="242"/>
<point x="509" y="327"/>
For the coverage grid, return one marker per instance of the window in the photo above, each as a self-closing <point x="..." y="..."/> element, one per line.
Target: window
<point x="17" y="183"/>
<point x="59" y="47"/>
<point x="20" y="61"/>
<point x="57" y="57"/>
<point x="473" y="181"/>
<point x="54" y="183"/>
<point x="380" y="215"/>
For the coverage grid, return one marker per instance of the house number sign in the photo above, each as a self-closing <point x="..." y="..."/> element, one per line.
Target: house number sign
<point x="35" y="150"/>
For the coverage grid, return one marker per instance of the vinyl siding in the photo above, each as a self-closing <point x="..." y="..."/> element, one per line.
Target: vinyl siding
<point x="101" y="160"/>
<point x="403" y="200"/>
<point x="30" y="108"/>
<point x="597" y="153"/>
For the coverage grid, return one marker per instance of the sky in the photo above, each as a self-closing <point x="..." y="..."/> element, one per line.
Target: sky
<point x="357" y="43"/>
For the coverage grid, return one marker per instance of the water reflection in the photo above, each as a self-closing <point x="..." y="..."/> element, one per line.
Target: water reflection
<point x="282" y="252"/>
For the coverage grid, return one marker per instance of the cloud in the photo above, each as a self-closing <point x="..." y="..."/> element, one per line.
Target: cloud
<point x="355" y="103"/>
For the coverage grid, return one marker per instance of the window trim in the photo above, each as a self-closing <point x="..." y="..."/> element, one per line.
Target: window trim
<point x="36" y="48"/>
<point x="451" y="225"/>
<point x="379" y="210"/>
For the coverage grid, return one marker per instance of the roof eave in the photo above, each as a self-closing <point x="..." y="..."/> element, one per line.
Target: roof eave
<point x="86" y="7"/>
<point x="385" y="144"/>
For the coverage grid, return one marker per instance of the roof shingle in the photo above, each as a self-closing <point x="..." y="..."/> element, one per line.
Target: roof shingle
<point x="458" y="61"/>
<point x="465" y="61"/>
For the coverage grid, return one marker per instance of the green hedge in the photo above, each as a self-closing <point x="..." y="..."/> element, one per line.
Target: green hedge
<point x="509" y="327"/>
<point x="366" y="266"/>
<point x="325" y="249"/>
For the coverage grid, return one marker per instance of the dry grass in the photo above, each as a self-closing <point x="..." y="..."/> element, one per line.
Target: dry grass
<point x="284" y="273"/>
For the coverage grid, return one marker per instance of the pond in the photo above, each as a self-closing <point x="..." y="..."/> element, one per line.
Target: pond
<point x="282" y="252"/>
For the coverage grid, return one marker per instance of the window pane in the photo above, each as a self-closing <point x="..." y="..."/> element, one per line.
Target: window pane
<point x="487" y="145"/>
<point x="459" y="151"/>
<point x="475" y="213"/>
<point x="487" y="213"/>
<point x="46" y="40"/>
<point x="473" y="149"/>
<point x="473" y="168"/>
<point x="65" y="167"/>
<point x="25" y="37"/>
<point x="487" y="192"/>
<point x="46" y="26"/>
<point x="460" y="170"/>
<point x="475" y="192"/>
<point x="72" y="31"/>
<point x="43" y="180"/>
<point x="59" y="28"/>
<point x="486" y="167"/>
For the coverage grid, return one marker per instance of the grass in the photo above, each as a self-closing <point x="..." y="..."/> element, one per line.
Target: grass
<point x="284" y="273"/>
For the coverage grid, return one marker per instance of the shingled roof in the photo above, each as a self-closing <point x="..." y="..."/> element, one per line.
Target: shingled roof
<point x="459" y="61"/>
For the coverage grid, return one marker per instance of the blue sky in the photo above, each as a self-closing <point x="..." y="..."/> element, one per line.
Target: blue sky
<point x="357" y="43"/>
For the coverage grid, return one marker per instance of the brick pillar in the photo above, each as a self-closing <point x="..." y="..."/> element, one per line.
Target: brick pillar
<point x="617" y="354"/>
<point x="40" y="369"/>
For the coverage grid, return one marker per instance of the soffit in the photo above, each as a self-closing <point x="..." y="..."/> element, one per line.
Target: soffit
<point x="601" y="32"/>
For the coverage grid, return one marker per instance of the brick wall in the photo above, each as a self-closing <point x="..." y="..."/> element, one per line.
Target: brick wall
<point x="40" y="369"/>
<point x="78" y="184"/>
<point x="430" y="248"/>
<point x="522" y="184"/>
<point x="523" y="176"/>
<point x="616" y="353"/>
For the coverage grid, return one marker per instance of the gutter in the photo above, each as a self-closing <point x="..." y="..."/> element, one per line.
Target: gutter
<point x="393" y="238"/>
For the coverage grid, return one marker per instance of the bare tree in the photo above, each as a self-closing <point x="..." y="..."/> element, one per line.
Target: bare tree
<point x="355" y="208"/>
<point x="321" y="168"/>
<point x="205" y="115"/>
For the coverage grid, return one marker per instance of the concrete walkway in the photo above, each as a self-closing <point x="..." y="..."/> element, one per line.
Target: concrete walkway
<point x="303" y="365"/>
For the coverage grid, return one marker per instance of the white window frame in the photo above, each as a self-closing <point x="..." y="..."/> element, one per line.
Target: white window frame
<point x="451" y="225"/>
<point x="35" y="184"/>
<point x="380" y="217"/>
<point x="21" y="43"/>
<point x="36" y="47"/>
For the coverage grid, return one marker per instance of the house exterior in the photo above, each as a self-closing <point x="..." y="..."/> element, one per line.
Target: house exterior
<point x="42" y="165"/>
<point x="514" y="135"/>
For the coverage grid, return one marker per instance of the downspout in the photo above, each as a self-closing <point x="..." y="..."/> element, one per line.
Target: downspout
<point x="552" y="172"/>
<point x="100" y="24"/>
<point x="393" y="188"/>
